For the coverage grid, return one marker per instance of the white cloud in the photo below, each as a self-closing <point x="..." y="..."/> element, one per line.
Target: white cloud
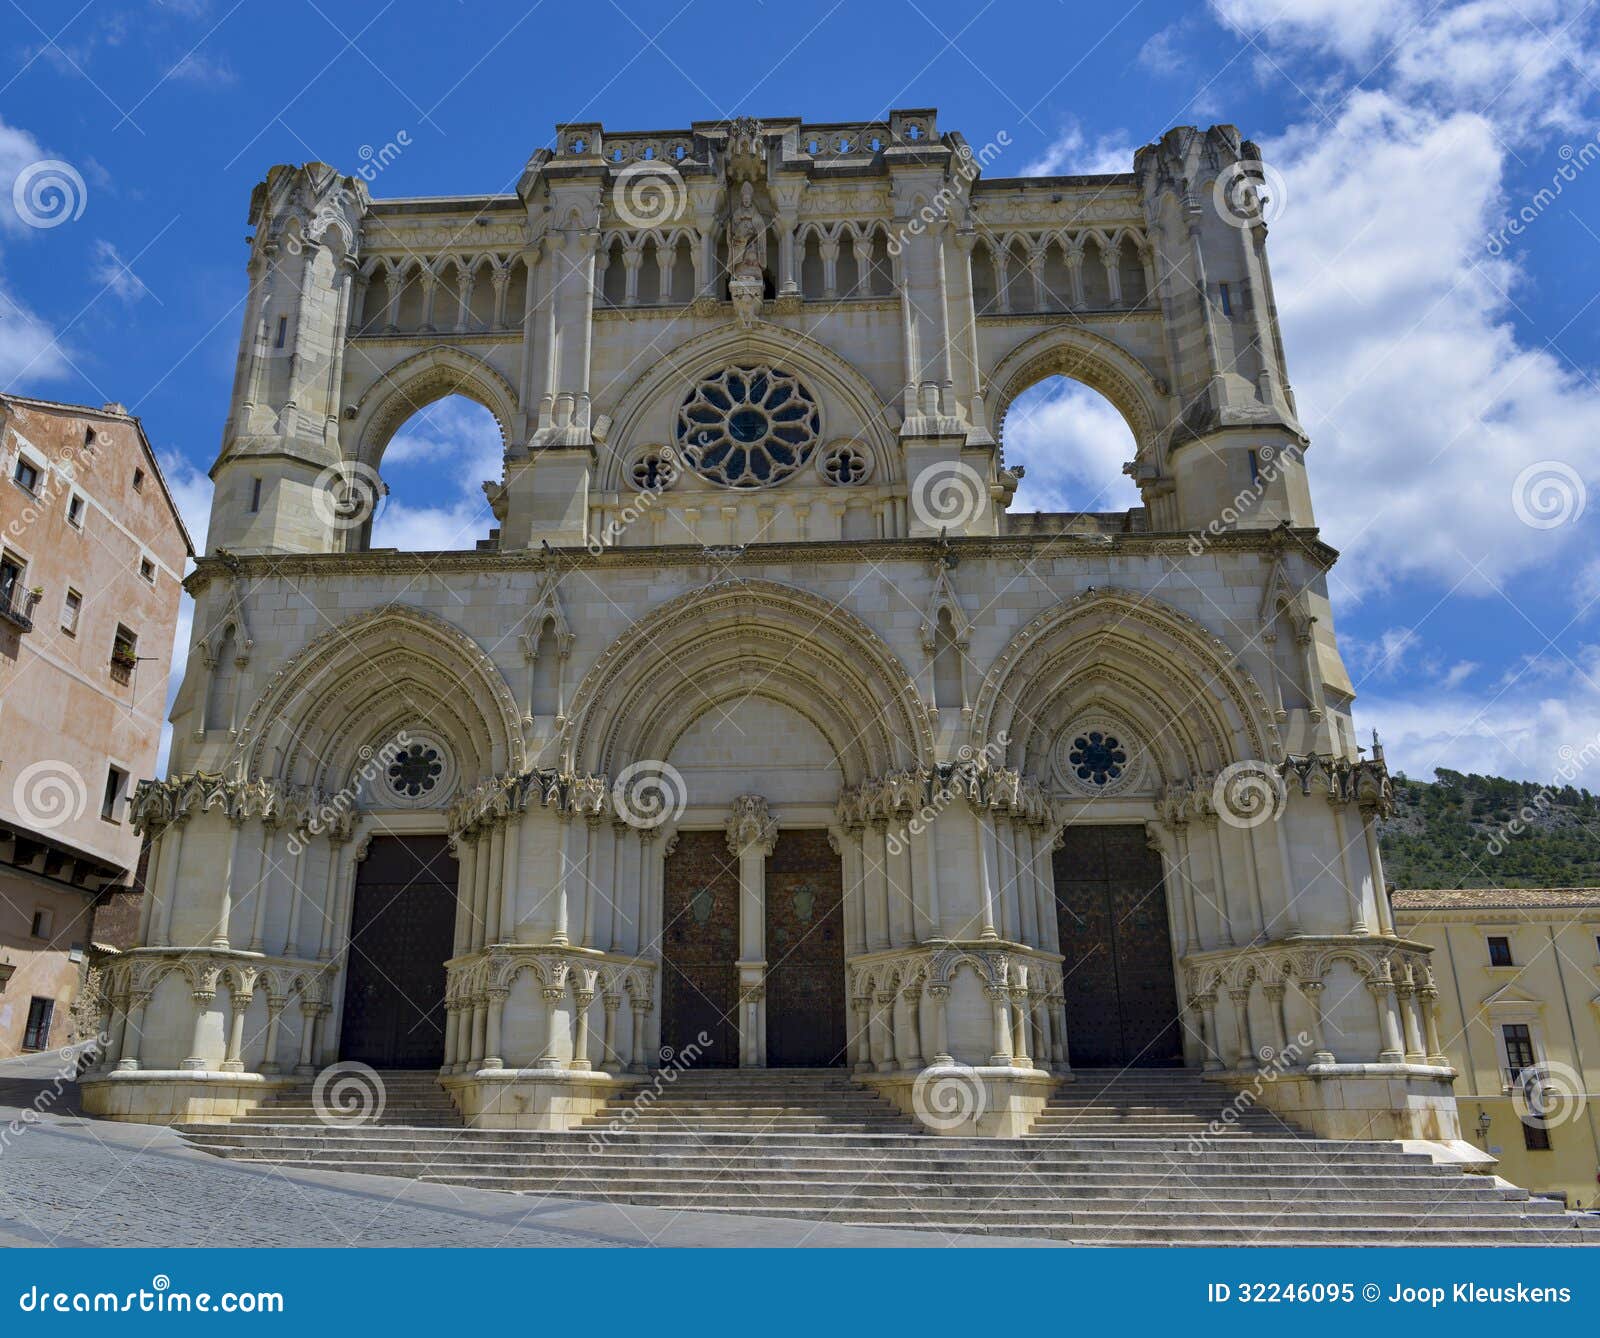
<point x="1528" y="725"/>
<point x="1073" y="444"/>
<point x="435" y="466"/>
<point x="1073" y="154"/>
<point x="205" y="71"/>
<point x="113" y="274"/>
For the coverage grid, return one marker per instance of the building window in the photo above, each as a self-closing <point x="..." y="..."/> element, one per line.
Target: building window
<point x="26" y="475"/>
<point x="10" y="580"/>
<point x="37" y="1035"/>
<point x="255" y="495"/>
<point x="1227" y="301"/>
<point x="283" y="332"/>
<point x="71" y="608"/>
<point x="147" y="569"/>
<point x="124" y="654"/>
<point x="1500" y="951"/>
<point x="111" y="801"/>
<point x="1519" y="1048"/>
<point x="43" y="922"/>
<point x="1535" y="1137"/>
<point x="88" y="436"/>
<point x="138" y="480"/>
<point x="75" y="511"/>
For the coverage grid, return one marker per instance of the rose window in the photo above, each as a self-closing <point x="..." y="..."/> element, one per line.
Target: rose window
<point x="845" y="464"/>
<point x="415" y="771"/>
<point x="1097" y="758"/>
<point x="748" y="427"/>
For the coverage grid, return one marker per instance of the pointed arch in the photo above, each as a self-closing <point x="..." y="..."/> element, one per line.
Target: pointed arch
<point x="417" y="382"/>
<point x="739" y="639"/>
<point x="368" y="678"/>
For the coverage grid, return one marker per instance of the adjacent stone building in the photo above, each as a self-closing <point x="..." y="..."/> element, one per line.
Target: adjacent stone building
<point x="1519" y="980"/>
<point x="760" y="731"/>
<point x="92" y="553"/>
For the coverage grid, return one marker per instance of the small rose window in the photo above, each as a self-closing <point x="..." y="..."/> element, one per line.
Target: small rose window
<point x="748" y="427"/>
<point x="1097" y="758"/>
<point x="415" y="771"/>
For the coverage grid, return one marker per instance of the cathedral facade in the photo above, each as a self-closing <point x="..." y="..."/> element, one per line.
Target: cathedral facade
<point x="761" y="731"/>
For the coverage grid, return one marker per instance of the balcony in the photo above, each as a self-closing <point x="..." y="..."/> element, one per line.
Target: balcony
<point x="18" y="609"/>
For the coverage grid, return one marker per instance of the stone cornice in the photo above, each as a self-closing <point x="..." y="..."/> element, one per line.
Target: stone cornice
<point x="849" y="552"/>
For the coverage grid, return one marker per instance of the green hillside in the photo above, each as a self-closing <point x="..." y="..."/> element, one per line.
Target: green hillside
<point x="1483" y="831"/>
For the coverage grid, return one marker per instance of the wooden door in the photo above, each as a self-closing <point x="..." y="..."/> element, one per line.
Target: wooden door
<point x="402" y="929"/>
<point x="805" y="952"/>
<point x="1111" y="906"/>
<point x="699" y="945"/>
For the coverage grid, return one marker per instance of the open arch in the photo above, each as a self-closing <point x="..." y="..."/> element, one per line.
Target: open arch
<point x="1098" y="363"/>
<point x="434" y="468"/>
<point x="712" y="647"/>
<point x="1074" y="444"/>
<point x="366" y="681"/>
<point x="419" y="381"/>
<point x="1145" y="657"/>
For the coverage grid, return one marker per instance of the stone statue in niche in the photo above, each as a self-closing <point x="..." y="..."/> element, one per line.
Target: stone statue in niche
<point x="747" y="256"/>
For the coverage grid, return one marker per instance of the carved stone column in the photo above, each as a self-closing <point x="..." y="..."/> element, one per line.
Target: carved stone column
<point x="910" y="1051"/>
<point x="752" y="833"/>
<point x="553" y="995"/>
<point x="1246" y="1059"/>
<point x="1312" y="989"/>
<point x="238" y="1002"/>
<point x="1000" y="999"/>
<point x="275" y="1006"/>
<point x="492" y="1046"/>
<point x="1392" y="1048"/>
<point x="202" y="1003"/>
<point x="608" y="1036"/>
<point x="133" y="1031"/>
<point x="581" y="999"/>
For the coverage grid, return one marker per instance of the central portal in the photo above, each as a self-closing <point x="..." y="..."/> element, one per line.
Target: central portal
<point x="402" y="923"/>
<point x="805" y="952"/>
<point x="1111" y="906"/>
<point x="699" y="944"/>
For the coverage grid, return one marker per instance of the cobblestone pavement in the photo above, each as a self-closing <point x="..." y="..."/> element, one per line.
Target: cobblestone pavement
<point x="69" y="1180"/>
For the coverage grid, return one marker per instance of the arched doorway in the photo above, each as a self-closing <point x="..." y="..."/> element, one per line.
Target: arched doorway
<point x="402" y="926"/>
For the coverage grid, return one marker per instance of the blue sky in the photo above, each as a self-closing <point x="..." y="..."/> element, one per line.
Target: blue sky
<point x="1444" y="365"/>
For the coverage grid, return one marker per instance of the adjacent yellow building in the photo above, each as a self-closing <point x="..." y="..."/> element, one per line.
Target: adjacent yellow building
<point x="1518" y="974"/>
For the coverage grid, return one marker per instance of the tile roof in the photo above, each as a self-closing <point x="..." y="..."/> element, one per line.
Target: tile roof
<point x="1494" y="898"/>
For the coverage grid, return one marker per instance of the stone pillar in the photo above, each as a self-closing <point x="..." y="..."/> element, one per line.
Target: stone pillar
<point x="171" y="852"/>
<point x="133" y="1030"/>
<point x="1019" y="1029"/>
<point x="581" y="999"/>
<point x="219" y="937"/>
<point x="1430" y="1024"/>
<point x="496" y="1021"/>
<point x="308" y="1031"/>
<point x="1369" y="829"/>
<point x="637" y="1062"/>
<point x="238" y="1002"/>
<point x="1280" y="1027"/>
<point x="1411" y="1023"/>
<point x="940" y="995"/>
<point x="202" y="1003"/>
<point x="553" y="995"/>
<point x="863" y="1033"/>
<point x="1000" y="999"/>
<point x="875" y="883"/>
<point x="452" y="1035"/>
<point x="1352" y="884"/>
<point x="1392" y="1048"/>
<point x="1312" y="989"/>
<point x="909" y="1049"/>
<point x="275" y="1007"/>
<point x="608" y="1037"/>
<point x="1246" y="1059"/>
<point x="886" y="1062"/>
<point x="1208" y="1031"/>
<point x="751" y="833"/>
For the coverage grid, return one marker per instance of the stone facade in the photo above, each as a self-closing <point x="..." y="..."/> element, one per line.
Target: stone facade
<point x="91" y="555"/>
<point x="1518" y="974"/>
<point x="755" y="572"/>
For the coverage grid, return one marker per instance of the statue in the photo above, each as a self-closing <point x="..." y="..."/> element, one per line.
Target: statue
<point x="747" y="256"/>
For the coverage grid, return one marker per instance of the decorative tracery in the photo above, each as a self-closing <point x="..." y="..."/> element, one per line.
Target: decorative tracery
<point x="748" y="427"/>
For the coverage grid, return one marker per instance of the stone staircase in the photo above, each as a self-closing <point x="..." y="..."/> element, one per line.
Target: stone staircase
<point x="1116" y="1159"/>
